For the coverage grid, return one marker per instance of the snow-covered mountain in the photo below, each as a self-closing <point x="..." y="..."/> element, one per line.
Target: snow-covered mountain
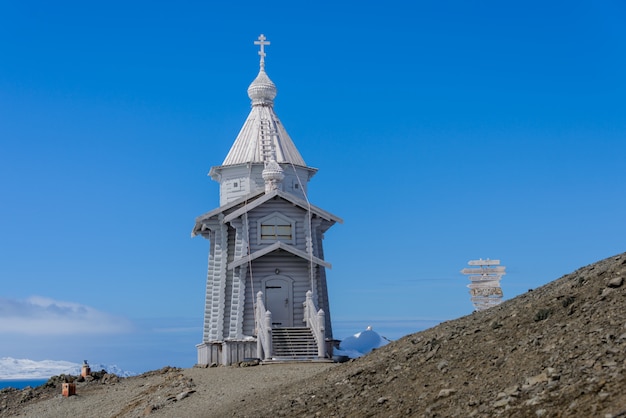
<point x="13" y="369"/>
<point x="361" y="343"/>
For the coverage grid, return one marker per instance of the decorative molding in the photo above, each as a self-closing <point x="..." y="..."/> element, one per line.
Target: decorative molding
<point x="275" y="246"/>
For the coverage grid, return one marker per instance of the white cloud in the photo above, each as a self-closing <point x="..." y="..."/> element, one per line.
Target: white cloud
<point x="43" y="316"/>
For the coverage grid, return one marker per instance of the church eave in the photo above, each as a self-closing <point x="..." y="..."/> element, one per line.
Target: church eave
<point x="216" y="171"/>
<point x="278" y="245"/>
<point x="202" y="219"/>
<point x="288" y="197"/>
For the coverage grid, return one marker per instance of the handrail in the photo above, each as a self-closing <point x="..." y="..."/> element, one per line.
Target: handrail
<point x="263" y="320"/>
<point x="315" y="320"/>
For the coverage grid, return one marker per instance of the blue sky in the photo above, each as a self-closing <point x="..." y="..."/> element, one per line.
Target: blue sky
<point x="443" y="131"/>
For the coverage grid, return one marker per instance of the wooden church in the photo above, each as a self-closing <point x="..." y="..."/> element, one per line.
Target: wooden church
<point x="266" y="292"/>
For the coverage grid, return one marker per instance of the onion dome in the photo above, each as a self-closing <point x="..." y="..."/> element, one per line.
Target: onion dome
<point x="262" y="90"/>
<point x="272" y="174"/>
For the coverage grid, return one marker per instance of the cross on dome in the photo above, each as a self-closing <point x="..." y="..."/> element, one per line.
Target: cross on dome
<point x="262" y="42"/>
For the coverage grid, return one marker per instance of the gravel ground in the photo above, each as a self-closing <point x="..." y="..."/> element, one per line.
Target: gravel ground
<point x="201" y="392"/>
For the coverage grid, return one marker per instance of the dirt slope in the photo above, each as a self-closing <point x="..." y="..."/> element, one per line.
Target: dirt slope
<point x="559" y="350"/>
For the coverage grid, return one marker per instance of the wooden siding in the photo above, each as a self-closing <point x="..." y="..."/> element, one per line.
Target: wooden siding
<point x="231" y="293"/>
<point x="249" y="180"/>
<point x="208" y="301"/>
<point x="209" y="353"/>
<point x="228" y="284"/>
<point x="235" y="351"/>
<point x="226" y="353"/>
<point x="289" y="265"/>
<point x="214" y="307"/>
<point x="238" y="286"/>
<point x="322" y="289"/>
<point x="293" y="213"/>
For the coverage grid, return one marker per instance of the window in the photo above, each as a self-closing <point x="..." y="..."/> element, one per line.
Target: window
<point x="276" y="227"/>
<point x="276" y="232"/>
<point x="235" y="184"/>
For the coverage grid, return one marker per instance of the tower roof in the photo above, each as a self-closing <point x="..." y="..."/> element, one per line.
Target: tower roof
<point x="262" y="133"/>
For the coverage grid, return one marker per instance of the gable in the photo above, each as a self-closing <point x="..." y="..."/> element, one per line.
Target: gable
<point x="288" y="198"/>
<point x="246" y="204"/>
<point x="279" y="246"/>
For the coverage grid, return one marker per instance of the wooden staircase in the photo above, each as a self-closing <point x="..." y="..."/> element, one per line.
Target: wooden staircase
<point x="295" y="344"/>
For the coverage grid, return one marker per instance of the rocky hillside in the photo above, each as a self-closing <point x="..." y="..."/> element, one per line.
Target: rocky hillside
<point x="556" y="351"/>
<point x="559" y="350"/>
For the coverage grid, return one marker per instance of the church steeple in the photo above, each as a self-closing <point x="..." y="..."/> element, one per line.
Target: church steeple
<point x="262" y="90"/>
<point x="262" y="137"/>
<point x="267" y="273"/>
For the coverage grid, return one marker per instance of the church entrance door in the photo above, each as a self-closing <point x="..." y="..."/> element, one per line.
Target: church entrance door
<point x="278" y="300"/>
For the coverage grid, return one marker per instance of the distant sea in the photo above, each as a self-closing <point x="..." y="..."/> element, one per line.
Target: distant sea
<point x="21" y="383"/>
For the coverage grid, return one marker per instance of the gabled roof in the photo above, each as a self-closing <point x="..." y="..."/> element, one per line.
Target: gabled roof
<point x="256" y="200"/>
<point x="274" y="247"/>
<point x="221" y="209"/>
<point x="288" y="197"/>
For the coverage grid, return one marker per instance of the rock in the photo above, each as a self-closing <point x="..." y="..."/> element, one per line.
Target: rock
<point x="512" y="391"/>
<point x="182" y="395"/>
<point x="534" y="401"/>
<point x="444" y="393"/>
<point x="250" y="363"/>
<point x="109" y="378"/>
<point x="501" y="402"/>
<point x="26" y="395"/>
<point x="615" y="282"/>
<point x="540" y="378"/>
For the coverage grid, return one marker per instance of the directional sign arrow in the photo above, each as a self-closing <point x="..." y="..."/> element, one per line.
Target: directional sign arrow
<point x="483" y="270"/>
<point x="482" y="262"/>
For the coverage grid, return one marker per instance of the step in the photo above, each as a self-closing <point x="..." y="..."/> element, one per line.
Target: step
<point x="293" y="344"/>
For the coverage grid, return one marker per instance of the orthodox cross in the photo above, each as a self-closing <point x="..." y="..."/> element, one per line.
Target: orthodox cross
<point x="262" y="42"/>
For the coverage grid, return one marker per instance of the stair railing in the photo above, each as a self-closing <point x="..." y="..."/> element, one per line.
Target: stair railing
<point x="264" y="329"/>
<point x="315" y="320"/>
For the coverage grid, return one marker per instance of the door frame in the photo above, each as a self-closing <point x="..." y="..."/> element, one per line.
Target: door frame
<point x="288" y="281"/>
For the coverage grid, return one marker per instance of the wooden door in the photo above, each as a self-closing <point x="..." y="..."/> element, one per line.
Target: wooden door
<point x="278" y="300"/>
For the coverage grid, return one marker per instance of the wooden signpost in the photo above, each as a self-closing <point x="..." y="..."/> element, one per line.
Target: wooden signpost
<point x="485" y="276"/>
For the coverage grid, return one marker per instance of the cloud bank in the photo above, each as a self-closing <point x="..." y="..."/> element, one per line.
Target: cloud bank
<point x="43" y="316"/>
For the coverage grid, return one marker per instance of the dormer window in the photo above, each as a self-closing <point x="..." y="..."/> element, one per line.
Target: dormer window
<point x="276" y="227"/>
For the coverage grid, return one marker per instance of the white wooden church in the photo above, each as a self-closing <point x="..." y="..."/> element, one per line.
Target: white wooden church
<point x="266" y="292"/>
